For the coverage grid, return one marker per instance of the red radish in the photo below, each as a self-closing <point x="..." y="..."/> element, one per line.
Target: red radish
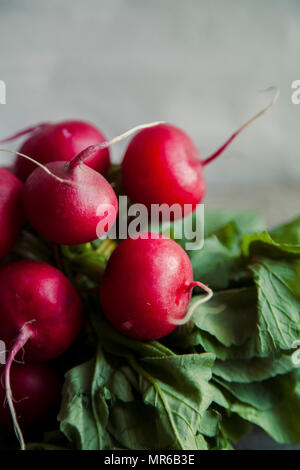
<point x="9" y="168"/>
<point x="40" y="300"/>
<point x="35" y="388"/>
<point x="68" y="207"/>
<point x="162" y="166"/>
<point x="147" y="287"/>
<point x="42" y="309"/>
<point x="61" y="141"/>
<point x="11" y="210"/>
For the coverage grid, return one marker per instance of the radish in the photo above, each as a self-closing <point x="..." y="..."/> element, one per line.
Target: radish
<point x="162" y="166"/>
<point x="39" y="307"/>
<point x="147" y="287"/>
<point x="40" y="300"/>
<point x="11" y="210"/>
<point x="36" y="389"/>
<point x="67" y="204"/>
<point x="61" y="141"/>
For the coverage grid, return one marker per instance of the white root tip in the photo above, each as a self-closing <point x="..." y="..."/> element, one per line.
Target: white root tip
<point x="135" y="129"/>
<point x="191" y="310"/>
<point x="24" y="335"/>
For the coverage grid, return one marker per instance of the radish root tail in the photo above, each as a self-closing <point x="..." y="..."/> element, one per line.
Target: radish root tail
<point x="21" y="133"/>
<point x="191" y="310"/>
<point x="24" y="335"/>
<point x="61" y="180"/>
<point x="57" y="178"/>
<point x="236" y="133"/>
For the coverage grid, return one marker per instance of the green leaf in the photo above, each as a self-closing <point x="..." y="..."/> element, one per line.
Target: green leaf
<point x="210" y="422"/>
<point x="107" y="400"/>
<point x="255" y="369"/>
<point x="219" y="262"/>
<point x="246" y="221"/>
<point x="225" y="326"/>
<point x="261" y="244"/>
<point x="233" y="427"/>
<point x="281" y="422"/>
<point x="87" y="393"/>
<point x="274" y="404"/>
<point x="214" y="221"/>
<point x="288" y="232"/>
<point x="76" y="415"/>
<point x="176" y="387"/>
<point x="278" y="325"/>
<point x="120" y="345"/>
<point x="251" y="322"/>
<point x="230" y="315"/>
<point x="263" y="395"/>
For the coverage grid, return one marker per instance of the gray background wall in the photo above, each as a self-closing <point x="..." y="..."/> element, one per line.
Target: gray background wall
<point x="197" y="64"/>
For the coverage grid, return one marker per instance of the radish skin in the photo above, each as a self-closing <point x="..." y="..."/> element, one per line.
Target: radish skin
<point x="162" y="166"/>
<point x="34" y="390"/>
<point x="40" y="299"/>
<point x="11" y="211"/>
<point x="154" y="282"/>
<point x="60" y="142"/>
<point x="69" y="214"/>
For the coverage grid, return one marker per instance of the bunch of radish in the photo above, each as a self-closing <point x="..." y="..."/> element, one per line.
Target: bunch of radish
<point x="59" y="188"/>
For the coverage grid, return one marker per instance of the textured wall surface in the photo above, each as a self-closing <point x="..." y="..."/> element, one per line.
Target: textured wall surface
<point x="197" y="64"/>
